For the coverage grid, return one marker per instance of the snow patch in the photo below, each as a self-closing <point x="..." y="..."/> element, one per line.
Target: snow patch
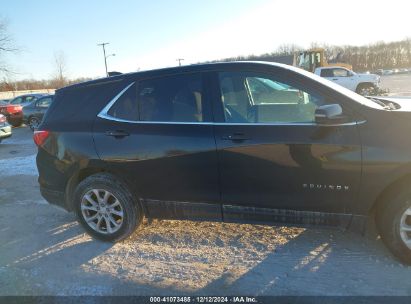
<point x="29" y="202"/>
<point x="18" y="165"/>
<point x="14" y="140"/>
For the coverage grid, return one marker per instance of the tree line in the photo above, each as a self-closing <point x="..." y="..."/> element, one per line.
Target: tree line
<point x="32" y="84"/>
<point x="379" y="55"/>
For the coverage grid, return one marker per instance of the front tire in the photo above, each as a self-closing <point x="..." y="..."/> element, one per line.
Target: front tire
<point x="106" y="208"/>
<point x="16" y="122"/>
<point x="394" y="225"/>
<point x="365" y="89"/>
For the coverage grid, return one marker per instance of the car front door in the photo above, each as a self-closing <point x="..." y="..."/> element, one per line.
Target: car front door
<point x="272" y="153"/>
<point x="158" y="135"/>
<point x="344" y="78"/>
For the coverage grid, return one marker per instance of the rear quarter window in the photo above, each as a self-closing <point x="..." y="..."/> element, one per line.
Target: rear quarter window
<point x="80" y="104"/>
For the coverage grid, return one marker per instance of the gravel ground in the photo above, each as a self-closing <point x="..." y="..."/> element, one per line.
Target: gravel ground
<point x="43" y="251"/>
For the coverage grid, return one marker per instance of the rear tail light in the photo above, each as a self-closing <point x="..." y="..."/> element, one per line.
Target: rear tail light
<point x="14" y="109"/>
<point x="2" y="118"/>
<point x="40" y="137"/>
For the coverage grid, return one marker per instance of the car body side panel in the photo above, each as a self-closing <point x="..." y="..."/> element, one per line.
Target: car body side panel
<point x="64" y="154"/>
<point x="290" y="167"/>
<point x="173" y="162"/>
<point x="386" y="154"/>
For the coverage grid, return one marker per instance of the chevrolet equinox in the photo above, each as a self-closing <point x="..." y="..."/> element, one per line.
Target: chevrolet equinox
<point x="233" y="142"/>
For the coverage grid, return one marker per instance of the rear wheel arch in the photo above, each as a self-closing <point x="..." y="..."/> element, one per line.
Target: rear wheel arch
<point x="76" y="179"/>
<point x="81" y="175"/>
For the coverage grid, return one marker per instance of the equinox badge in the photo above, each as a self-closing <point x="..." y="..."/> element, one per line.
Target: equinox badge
<point x="326" y="187"/>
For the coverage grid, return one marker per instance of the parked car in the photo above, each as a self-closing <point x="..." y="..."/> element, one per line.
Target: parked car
<point x="388" y="72"/>
<point x="14" y="109"/>
<point x="234" y="142"/>
<point x="364" y="84"/>
<point x="13" y="113"/>
<point x="379" y="72"/>
<point x="33" y="113"/>
<point x="26" y="99"/>
<point x="4" y="101"/>
<point x="5" y="128"/>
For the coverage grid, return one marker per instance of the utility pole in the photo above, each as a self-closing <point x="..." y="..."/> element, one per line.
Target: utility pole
<point x="179" y="61"/>
<point x="104" y="52"/>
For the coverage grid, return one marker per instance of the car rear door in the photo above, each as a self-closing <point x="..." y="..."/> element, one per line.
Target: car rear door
<point x="271" y="152"/>
<point x="158" y="135"/>
<point x="41" y="106"/>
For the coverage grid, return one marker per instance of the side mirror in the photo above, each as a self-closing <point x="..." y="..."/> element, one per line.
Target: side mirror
<point x="329" y="114"/>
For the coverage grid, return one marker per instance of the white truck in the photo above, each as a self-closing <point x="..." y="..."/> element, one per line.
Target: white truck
<point x="364" y="84"/>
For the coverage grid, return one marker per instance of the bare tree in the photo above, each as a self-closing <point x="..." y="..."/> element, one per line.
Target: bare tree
<point x="60" y="66"/>
<point x="287" y="49"/>
<point x="6" y="46"/>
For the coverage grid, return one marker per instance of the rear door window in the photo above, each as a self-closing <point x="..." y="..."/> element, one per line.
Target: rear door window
<point x="28" y="99"/>
<point x="171" y="99"/>
<point x="177" y="98"/>
<point x="18" y="100"/>
<point x="44" y="102"/>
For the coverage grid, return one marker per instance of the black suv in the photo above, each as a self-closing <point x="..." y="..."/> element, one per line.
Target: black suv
<point x="235" y="142"/>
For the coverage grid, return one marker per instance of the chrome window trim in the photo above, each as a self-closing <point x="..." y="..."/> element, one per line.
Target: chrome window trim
<point x="108" y="117"/>
<point x="104" y="113"/>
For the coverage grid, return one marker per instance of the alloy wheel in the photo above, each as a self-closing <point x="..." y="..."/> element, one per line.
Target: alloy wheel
<point x="405" y="227"/>
<point x="34" y="123"/>
<point x="366" y="91"/>
<point x="102" y="211"/>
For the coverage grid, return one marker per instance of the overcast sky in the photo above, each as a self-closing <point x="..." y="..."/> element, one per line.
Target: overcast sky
<point x="152" y="34"/>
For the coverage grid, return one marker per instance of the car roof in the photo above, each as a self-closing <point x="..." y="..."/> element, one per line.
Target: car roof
<point x="209" y="67"/>
<point x="203" y="67"/>
<point x="34" y="94"/>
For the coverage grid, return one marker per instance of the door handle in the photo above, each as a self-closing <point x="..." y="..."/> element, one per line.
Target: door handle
<point x="117" y="133"/>
<point x="235" y="137"/>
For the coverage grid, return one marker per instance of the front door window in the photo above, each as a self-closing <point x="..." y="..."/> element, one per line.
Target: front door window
<point x="260" y="99"/>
